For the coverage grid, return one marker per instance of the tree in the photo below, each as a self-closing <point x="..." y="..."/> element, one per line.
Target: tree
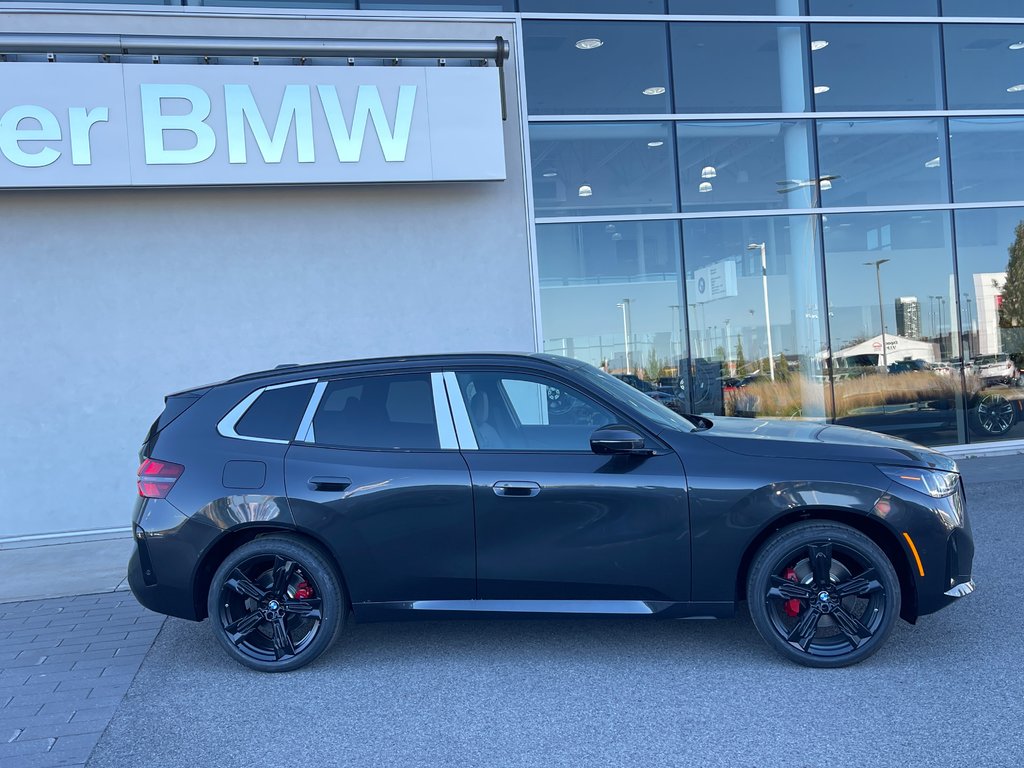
<point x="653" y="367"/>
<point x="741" y="361"/>
<point x="781" y="368"/>
<point x="1011" y="313"/>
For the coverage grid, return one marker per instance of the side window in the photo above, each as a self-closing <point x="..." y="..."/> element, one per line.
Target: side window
<point x="523" y="412"/>
<point x="276" y="413"/>
<point x="378" y="412"/>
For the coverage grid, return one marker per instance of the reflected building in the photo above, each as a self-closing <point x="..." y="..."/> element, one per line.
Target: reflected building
<point x="908" y="317"/>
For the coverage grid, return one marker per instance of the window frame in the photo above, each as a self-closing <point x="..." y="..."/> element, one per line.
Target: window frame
<point x="226" y="426"/>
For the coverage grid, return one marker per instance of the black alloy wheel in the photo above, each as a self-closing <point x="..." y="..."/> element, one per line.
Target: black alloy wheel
<point x="276" y="603"/>
<point x="823" y="594"/>
<point x="993" y="415"/>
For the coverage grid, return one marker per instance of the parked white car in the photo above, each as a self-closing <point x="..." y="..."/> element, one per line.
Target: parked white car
<point x="997" y="368"/>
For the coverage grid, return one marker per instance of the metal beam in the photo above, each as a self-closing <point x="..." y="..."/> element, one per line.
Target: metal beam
<point x="496" y="50"/>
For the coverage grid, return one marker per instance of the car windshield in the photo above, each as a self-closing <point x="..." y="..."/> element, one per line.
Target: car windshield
<point x="648" y="406"/>
<point x="990" y="359"/>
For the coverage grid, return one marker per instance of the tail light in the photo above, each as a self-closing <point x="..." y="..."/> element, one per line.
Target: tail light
<point x="156" y="478"/>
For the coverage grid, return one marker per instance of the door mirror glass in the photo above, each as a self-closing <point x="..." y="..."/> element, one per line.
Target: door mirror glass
<point x="616" y="439"/>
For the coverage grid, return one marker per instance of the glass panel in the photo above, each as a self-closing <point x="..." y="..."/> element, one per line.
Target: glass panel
<point x="874" y="7"/>
<point x="433" y="5"/>
<point x="745" y="276"/>
<point x="746" y="165"/>
<point x="596" y="67"/>
<point x="276" y="413"/>
<point x="1005" y="8"/>
<point x="592" y="6"/>
<point x="522" y="412"/>
<point x="988" y="159"/>
<point x="737" y="7"/>
<point x="729" y="67"/>
<point x="611" y="295"/>
<point x="875" y="67"/>
<point x="983" y="66"/>
<point x="378" y="412"/>
<point x="343" y="5"/>
<point x="990" y="258"/>
<point x="892" y="272"/>
<point x="603" y="168"/>
<point x="882" y="162"/>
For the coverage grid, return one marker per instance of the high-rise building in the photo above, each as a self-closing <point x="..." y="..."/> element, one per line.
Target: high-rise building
<point x="908" y="317"/>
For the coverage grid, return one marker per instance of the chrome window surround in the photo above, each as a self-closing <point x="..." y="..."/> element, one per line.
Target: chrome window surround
<point x="226" y="426"/>
<point x="304" y="434"/>
<point x="459" y="413"/>
<point x="446" y="436"/>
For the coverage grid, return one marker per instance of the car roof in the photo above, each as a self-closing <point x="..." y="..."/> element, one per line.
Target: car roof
<point x="316" y="370"/>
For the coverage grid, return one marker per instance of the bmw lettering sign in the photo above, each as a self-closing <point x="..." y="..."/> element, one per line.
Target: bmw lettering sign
<point x="100" y="125"/>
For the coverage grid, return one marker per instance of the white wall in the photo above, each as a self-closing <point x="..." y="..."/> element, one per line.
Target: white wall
<point x="114" y="298"/>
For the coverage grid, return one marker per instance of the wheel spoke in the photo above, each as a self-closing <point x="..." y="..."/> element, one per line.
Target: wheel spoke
<point x="282" y="640"/>
<point x="241" y="583"/>
<point x="820" y="556"/>
<point x="283" y="569"/>
<point x="859" y="586"/>
<point x="851" y="626"/>
<point x="802" y="634"/>
<point x="784" y="589"/>
<point x="237" y="630"/>
<point x="309" y="608"/>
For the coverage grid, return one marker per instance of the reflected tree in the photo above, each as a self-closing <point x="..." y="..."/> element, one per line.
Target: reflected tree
<point x="1011" y="310"/>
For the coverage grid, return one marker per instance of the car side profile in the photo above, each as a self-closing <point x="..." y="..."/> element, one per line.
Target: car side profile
<point x="281" y="503"/>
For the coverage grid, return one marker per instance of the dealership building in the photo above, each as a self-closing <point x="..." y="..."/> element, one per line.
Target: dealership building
<point x="805" y="209"/>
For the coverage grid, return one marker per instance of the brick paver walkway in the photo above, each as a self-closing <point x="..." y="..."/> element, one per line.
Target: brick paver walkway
<point x="65" y="664"/>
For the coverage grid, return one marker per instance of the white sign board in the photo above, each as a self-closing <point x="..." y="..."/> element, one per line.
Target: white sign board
<point x="100" y="125"/>
<point x="715" y="281"/>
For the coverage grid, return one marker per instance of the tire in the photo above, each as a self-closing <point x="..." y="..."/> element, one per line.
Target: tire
<point x="823" y="594"/>
<point x="276" y="603"/>
<point x="992" y="416"/>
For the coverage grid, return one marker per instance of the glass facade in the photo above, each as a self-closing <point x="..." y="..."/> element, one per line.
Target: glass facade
<point x="808" y="209"/>
<point x="845" y="240"/>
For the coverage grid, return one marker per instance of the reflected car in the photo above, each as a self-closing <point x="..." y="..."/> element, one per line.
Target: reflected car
<point x="280" y="504"/>
<point x="996" y="369"/>
<point x="909" y="366"/>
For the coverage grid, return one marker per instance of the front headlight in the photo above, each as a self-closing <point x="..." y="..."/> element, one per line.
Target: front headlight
<point x="935" y="482"/>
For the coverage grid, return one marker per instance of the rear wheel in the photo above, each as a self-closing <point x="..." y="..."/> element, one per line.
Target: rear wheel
<point x="276" y="603"/>
<point x="823" y="594"/>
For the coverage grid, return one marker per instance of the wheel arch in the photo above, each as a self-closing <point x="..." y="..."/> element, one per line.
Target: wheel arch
<point x="232" y="539"/>
<point x="886" y="539"/>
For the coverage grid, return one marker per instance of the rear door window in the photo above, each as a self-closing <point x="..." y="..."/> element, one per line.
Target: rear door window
<point x="381" y="412"/>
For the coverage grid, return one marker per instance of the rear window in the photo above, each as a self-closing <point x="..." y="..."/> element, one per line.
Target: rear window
<point x="394" y="412"/>
<point x="276" y="413"/>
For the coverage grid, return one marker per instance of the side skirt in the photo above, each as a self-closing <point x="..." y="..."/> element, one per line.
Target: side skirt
<point x="462" y="609"/>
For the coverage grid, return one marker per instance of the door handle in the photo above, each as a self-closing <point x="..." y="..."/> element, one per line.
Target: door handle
<point x="336" y="484"/>
<point x="516" y="488"/>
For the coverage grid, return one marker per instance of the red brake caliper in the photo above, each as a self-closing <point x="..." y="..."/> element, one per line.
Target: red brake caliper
<point x="791" y="607"/>
<point x="304" y="591"/>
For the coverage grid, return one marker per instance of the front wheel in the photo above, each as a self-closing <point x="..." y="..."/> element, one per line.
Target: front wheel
<point x="276" y="603"/>
<point x="823" y="594"/>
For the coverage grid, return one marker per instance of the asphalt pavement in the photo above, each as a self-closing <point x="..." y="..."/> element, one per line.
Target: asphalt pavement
<point x="602" y="692"/>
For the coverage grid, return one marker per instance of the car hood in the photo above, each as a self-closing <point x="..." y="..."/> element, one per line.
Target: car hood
<point x="810" y="440"/>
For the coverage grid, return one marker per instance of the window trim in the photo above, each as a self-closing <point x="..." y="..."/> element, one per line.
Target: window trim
<point x="304" y="434"/>
<point x="226" y="426"/>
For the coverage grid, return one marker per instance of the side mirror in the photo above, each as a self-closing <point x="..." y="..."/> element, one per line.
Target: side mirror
<point x="616" y="438"/>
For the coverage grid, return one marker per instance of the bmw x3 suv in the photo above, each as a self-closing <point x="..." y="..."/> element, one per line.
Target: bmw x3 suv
<point x="280" y="504"/>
